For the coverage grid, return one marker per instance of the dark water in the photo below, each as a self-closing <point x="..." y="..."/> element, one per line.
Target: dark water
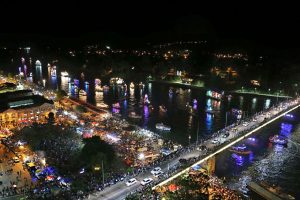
<point x="183" y="121"/>
<point x="275" y="164"/>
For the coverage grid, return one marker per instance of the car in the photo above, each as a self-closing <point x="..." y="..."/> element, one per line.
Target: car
<point x="131" y="181"/>
<point x="146" y="181"/>
<point x="215" y="141"/>
<point x="225" y="135"/>
<point x="254" y="119"/>
<point x="158" y="174"/>
<point x="155" y="170"/>
<point x="245" y="124"/>
<point x="183" y="161"/>
<point x="16" y="159"/>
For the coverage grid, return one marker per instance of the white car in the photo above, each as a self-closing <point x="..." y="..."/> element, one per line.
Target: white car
<point x="245" y="124"/>
<point x="215" y="141"/>
<point x="158" y="174"/>
<point x="131" y="182"/>
<point x="155" y="170"/>
<point x="146" y="181"/>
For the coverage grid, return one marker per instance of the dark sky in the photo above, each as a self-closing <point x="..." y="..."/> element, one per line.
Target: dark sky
<point x="267" y="23"/>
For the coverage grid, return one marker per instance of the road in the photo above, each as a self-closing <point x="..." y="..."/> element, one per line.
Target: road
<point x="9" y="179"/>
<point x="119" y="191"/>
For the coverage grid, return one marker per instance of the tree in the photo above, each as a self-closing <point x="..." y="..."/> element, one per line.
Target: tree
<point x="51" y="119"/>
<point x="96" y="151"/>
<point x="9" y="75"/>
<point x="80" y="109"/>
<point x="60" y="94"/>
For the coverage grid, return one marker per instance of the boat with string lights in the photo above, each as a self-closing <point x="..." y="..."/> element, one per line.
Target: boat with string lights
<point x="242" y="149"/>
<point x="278" y="139"/>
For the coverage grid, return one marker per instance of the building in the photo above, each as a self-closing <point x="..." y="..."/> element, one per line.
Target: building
<point x="7" y="87"/>
<point x="23" y="106"/>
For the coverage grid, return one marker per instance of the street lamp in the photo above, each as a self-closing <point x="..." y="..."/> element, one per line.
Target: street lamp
<point x="189" y="139"/>
<point x="269" y="90"/>
<point x="242" y="89"/>
<point x="255" y="90"/>
<point x="226" y="119"/>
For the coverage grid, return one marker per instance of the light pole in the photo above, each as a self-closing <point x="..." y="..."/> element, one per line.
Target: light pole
<point x="189" y="140"/>
<point x="197" y="133"/>
<point x="226" y="119"/>
<point x="102" y="173"/>
<point x="242" y="89"/>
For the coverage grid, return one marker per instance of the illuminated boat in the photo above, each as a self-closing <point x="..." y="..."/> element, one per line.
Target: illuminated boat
<point x="76" y="89"/>
<point x="98" y="88"/>
<point x="141" y="84"/>
<point x="64" y="74"/>
<point x="277" y="139"/>
<point x="97" y="81"/>
<point x="162" y="127"/>
<point x="146" y="100"/>
<point x="82" y="93"/>
<point x="240" y="150"/>
<point x="102" y="105"/>
<point x="131" y="85"/>
<point x="133" y="115"/>
<point x="116" y="105"/>
<point x="162" y="108"/>
<point x="214" y="95"/>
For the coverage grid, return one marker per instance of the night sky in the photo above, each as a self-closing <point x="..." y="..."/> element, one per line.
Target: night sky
<point x="155" y="21"/>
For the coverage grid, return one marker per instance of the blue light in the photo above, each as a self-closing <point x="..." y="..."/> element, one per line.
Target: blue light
<point x="208" y="117"/>
<point x="289" y="115"/>
<point x="239" y="160"/>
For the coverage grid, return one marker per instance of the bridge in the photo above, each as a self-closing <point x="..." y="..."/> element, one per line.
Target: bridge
<point x="277" y="113"/>
<point x="253" y="92"/>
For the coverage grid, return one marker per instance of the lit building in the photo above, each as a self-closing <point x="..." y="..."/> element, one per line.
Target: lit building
<point x="23" y="106"/>
<point x="7" y="87"/>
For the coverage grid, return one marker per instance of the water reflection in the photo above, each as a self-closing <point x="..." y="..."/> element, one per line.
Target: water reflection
<point x="254" y="103"/>
<point x="241" y="100"/>
<point x="267" y="104"/>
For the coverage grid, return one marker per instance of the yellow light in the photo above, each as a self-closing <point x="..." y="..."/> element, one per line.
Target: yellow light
<point x="97" y="168"/>
<point x="21" y="147"/>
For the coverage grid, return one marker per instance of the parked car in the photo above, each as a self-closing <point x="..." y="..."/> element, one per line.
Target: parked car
<point x="155" y="170"/>
<point x="215" y="141"/>
<point x="131" y="182"/>
<point x="245" y="124"/>
<point x="158" y="174"/>
<point x="146" y="181"/>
